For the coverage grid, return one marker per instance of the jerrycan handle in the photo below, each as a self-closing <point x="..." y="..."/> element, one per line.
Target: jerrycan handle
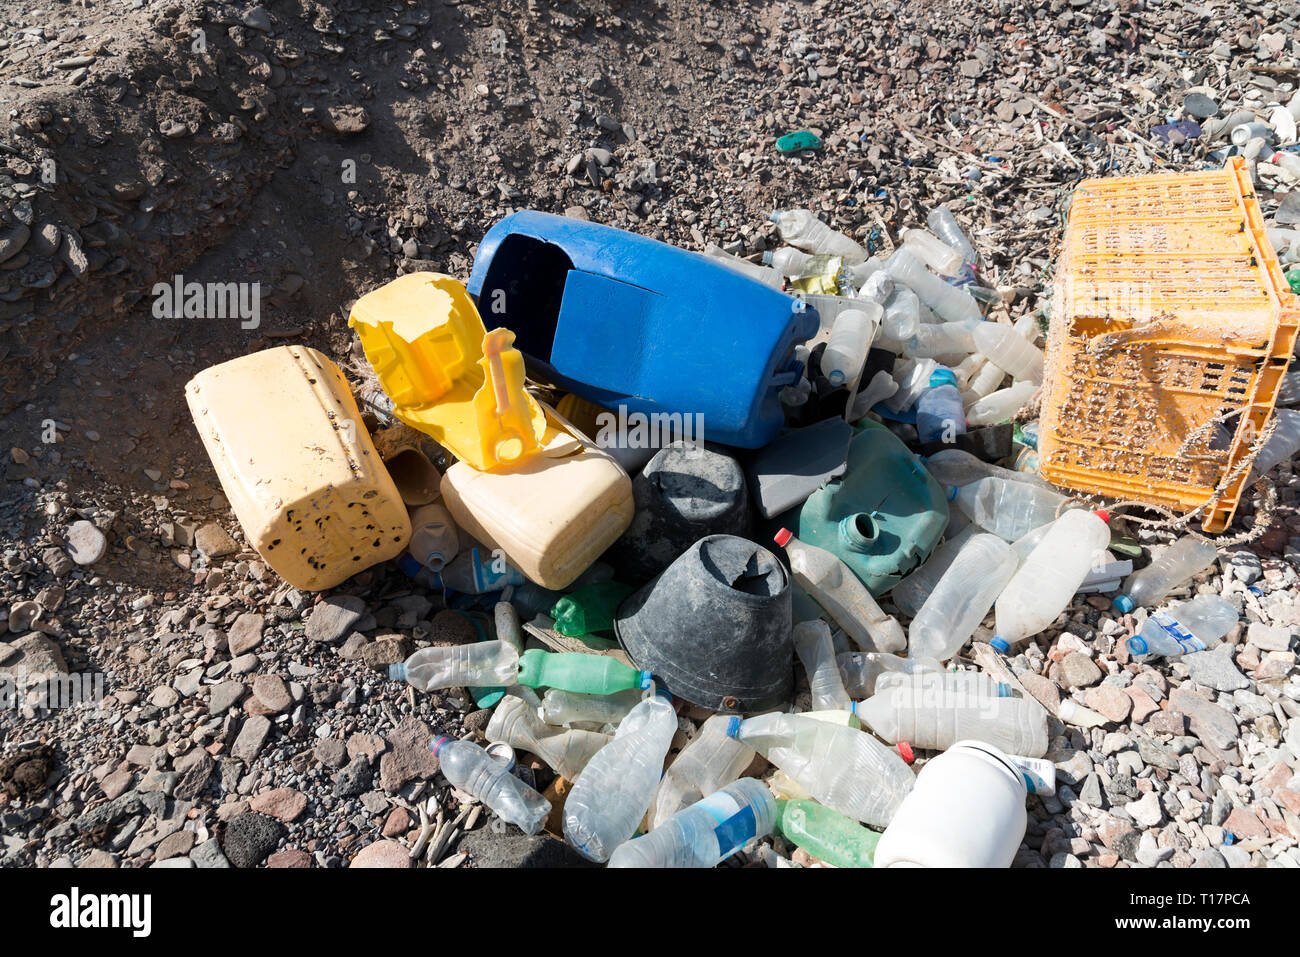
<point x="502" y="411"/>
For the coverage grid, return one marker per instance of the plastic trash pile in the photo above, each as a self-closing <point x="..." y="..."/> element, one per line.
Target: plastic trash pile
<point x="721" y="468"/>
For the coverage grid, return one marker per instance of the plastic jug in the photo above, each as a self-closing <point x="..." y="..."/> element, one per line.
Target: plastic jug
<point x="1179" y="562"/>
<point x="882" y="517"/>
<point x="1009" y="351"/>
<point x="709" y="762"/>
<point x="297" y="465"/>
<point x="962" y="597"/>
<point x="826" y="834"/>
<point x="850" y="339"/>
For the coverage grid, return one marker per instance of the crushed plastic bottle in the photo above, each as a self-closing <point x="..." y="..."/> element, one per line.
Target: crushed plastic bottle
<point x="575" y="671"/>
<point x="707" y="832"/>
<point x="435" y="540"/>
<point x="1009" y="351"/>
<point x="614" y="791"/>
<point x="470" y="768"/>
<point x="813" y="645"/>
<point x="1007" y="508"/>
<point x="860" y="671"/>
<point x="934" y="339"/>
<point x="710" y="761"/>
<point x="910" y="593"/>
<point x="839" y="767"/>
<point x="1185" y="627"/>
<point x="1046" y="582"/>
<point x="801" y="228"/>
<point x="933" y="251"/>
<point x="913" y="378"/>
<point x="1178" y="563"/>
<point x="482" y="664"/>
<point x="947" y="301"/>
<point x="566" y="752"/>
<point x="901" y="319"/>
<point x="833" y="585"/>
<point x="846" y="350"/>
<point x="959" y="467"/>
<point x="927" y="714"/>
<point x="826" y="834"/>
<point x="763" y="274"/>
<point x="939" y="415"/>
<point x="796" y="264"/>
<point x="944" y="225"/>
<point x="561" y="707"/>
<point x="1001" y="405"/>
<point x="962" y="597"/>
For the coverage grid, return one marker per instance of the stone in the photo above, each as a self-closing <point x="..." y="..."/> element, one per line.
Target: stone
<point x="450" y="628"/>
<point x="1079" y="671"/>
<point x="249" y="837"/>
<point x="1209" y="857"/>
<point x="245" y="633"/>
<point x="1146" y="811"/>
<point x="1043" y="689"/>
<point x="1110" y="701"/>
<point x="117" y="783"/>
<point x="334" y="617"/>
<point x="513" y="849"/>
<point x="251" y="737"/>
<point x="1244" y="824"/>
<point x="34" y="657"/>
<point x="284" y="804"/>
<point x="1199" y="106"/>
<point x="408" y="757"/>
<point x="1167" y="722"/>
<point x="193" y="768"/>
<point x="398" y="822"/>
<point x="175" y="844"/>
<point x="177" y="863"/>
<point x="213" y="541"/>
<point x="57" y="561"/>
<point x="258" y="19"/>
<point x="99" y="859"/>
<point x="383" y="651"/>
<point x="1215" y="669"/>
<point x="1208" y="721"/>
<point x="225" y="696"/>
<point x="1117" y="834"/>
<point x="1143" y="704"/>
<point x="347" y="120"/>
<point x="385" y="853"/>
<point x="1269" y="637"/>
<point x="354" y="779"/>
<point x="1153" y="754"/>
<point x="86" y="543"/>
<point x="1242" y="564"/>
<point x="331" y="752"/>
<point x="371" y="745"/>
<point x="270" y="690"/>
<point x="289" y="858"/>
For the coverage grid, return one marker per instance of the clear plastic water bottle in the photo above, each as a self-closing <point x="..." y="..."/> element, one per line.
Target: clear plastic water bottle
<point x="839" y="767"/>
<point x="790" y="262"/>
<point x="1177" y="564"/>
<point x="959" y="467"/>
<point x="472" y="573"/>
<point x="710" y="761"/>
<point x="910" y="593"/>
<point x="939" y="415"/>
<point x="948" y="302"/>
<point x="435" y="540"/>
<point x="859" y="273"/>
<point x="901" y="319"/>
<point x="962" y="597"/>
<point x="934" y="339"/>
<point x="1282" y="445"/>
<point x="768" y="277"/>
<point x="973" y="683"/>
<point x="878" y="288"/>
<point x="944" y="225"/>
<point x="833" y="585"/>
<point x="913" y="378"/>
<point x="861" y="670"/>
<point x="933" y="251"/>
<point x="708" y="831"/>
<point x="1001" y="405"/>
<point x="799" y="227"/>
<point x="482" y="664"/>
<point x="1009" y="351"/>
<point x="573" y="707"/>
<point x="470" y="768"/>
<point x="1185" y="627"/>
<point x="515" y="722"/>
<point x="846" y="350"/>
<point x="813" y="645"/>
<point x="1044" y="584"/>
<point x="614" y="791"/>
<point x="932" y="715"/>
<point x="1007" y="508"/>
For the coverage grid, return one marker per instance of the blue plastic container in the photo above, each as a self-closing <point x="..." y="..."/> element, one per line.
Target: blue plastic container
<point x="621" y="319"/>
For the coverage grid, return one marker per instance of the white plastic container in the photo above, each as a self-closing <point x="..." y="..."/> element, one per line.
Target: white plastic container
<point x="942" y="339"/>
<point x="710" y="761"/>
<point x="846" y="350"/>
<point x="966" y="810"/>
<point x="833" y="585"/>
<point x="812" y="643"/>
<point x="947" y="301"/>
<point x="799" y="227"/>
<point x="1001" y="405"/>
<point x="971" y="682"/>
<point x="1009" y="351"/>
<point x="435" y="540"/>
<point x="962" y="597"/>
<point x="927" y="711"/>
<point x="933" y="251"/>
<point x="987" y="380"/>
<point x="1007" y="508"/>
<point x="913" y="378"/>
<point x="901" y="319"/>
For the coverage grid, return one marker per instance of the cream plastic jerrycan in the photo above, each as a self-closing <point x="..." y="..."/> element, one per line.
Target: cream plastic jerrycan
<point x="298" y="466"/>
<point x="554" y="514"/>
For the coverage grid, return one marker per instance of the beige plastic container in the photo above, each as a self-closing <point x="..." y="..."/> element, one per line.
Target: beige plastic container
<point x="298" y="466"/>
<point x="554" y="514"/>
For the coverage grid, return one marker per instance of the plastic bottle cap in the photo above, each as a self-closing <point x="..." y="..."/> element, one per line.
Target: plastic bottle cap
<point x="905" y="750"/>
<point x="942" y="376"/>
<point x="1123" y="603"/>
<point x="836" y="377"/>
<point x="1229" y="838"/>
<point x="644" y="682"/>
<point x="1000" y="644"/>
<point x="397" y="672"/>
<point x="782" y="537"/>
<point x="1137" y="645"/>
<point x="436" y="745"/>
<point x="1102" y="514"/>
<point x="733" y="727"/>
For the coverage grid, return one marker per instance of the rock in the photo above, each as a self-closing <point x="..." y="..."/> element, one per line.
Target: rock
<point x="477" y="721"/>
<point x="193" y="768"/>
<point x="334" y="617"/>
<point x="1115" y="833"/>
<point x="34" y="657"/>
<point x="99" y="859"/>
<point x="1199" y="106"/>
<point x="170" y="863"/>
<point x="284" y="804"/>
<point x="1043" y="689"/>
<point x="385" y="853"/>
<point x="1242" y="564"/>
<point x="408" y="757"/>
<point x="331" y="752"/>
<point x="245" y="633"/>
<point x="289" y="858"/>
<point x="1143" y="704"/>
<point x="1153" y="754"/>
<point x="371" y="745"/>
<point x="208" y="854"/>
<point x="1209" y="857"/>
<point x="1269" y="637"/>
<point x="511" y="848"/>
<point x="450" y="628"/>
<point x="1091" y="793"/>
<point x="347" y="120"/>
<point x="225" y="696"/>
<point x="57" y="561"/>
<point x="384" y="651"/>
<point x="398" y="822"/>
<point x="1110" y="701"/>
<point x="258" y="19"/>
<point x="22" y="616"/>
<point x="355" y="779"/>
<point x="213" y="541"/>
<point x="1146" y="811"/>
<point x="117" y="783"/>
<point x="270" y="690"/>
<point x="251" y="737"/>
<point x="86" y="543"/>
<point x="1215" y="669"/>
<point x="1167" y="722"/>
<point x="1208" y="721"/>
<point x="175" y="844"/>
<point x="1244" y="824"/>
<point x="1079" y="671"/>
<point x="249" y="838"/>
<point x="12" y="241"/>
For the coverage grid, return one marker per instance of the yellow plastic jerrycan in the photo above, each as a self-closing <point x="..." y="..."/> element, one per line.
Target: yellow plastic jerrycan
<point x="447" y="376"/>
<point x="298" y="466"/>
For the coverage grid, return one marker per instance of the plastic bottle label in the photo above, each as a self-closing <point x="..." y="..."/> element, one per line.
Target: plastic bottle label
<point x="1174" y="629"/>
<point x="736" y="824"/>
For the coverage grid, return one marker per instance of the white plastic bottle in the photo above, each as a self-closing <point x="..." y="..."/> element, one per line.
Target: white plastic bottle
<point x="799" y="227"/>
<point x="973" y="683"/>
<point x="709" y="831"/>
<point x="812" y="643"/>
<point x="862" y="670"/>
<point x="481" y="664"/>
<point x="470" y="768"/>
<point x="435" y="540"/>
<point x="768" y="277"/>
<point x="928" y="714"/>
<point x="962" y="597"/>
<point x="932" y="251"/>
<point x="845" y="769"/>
<point x="847" y="347"/>
<point x="910" y="593"/>
<point x="1001" y="405"/>
<point x="987" y="380"/>
<point x="1044" y="584"/>
<point x="614" y="791"/>
<point x="1009" y="351"/>
<point x="1185" y="627"/>
<point x="901" y="319"/>
<point x="1007" y="508"/>
<point x="944" y="225"/>
<point x="859" y="273"/>
<point x="571" y="707"/>
<point x="833" y="585"/>
<point x="1282" y="444"/>
<point x="1179" y="562"/>
<point x="942" y="339"/>
<point x="566" y="752"/>
<point x="913" y="378"/>
<point x="948" y="302"/>
<point x="710" y="761"/>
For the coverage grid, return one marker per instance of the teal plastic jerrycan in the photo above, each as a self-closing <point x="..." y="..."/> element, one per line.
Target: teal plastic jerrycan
<point x="882" y="517"/>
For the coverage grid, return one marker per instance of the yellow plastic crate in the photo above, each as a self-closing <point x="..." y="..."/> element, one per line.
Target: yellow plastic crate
<point x="1169" y="312"/>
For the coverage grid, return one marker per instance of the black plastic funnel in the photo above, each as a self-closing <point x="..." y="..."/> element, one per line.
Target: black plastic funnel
<point x="683" y="494"/>
<point x="715" y="627"/>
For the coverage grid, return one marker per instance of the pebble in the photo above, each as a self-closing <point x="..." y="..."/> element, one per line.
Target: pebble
<point x="213" y="541"/>
<point x="1079" y="671"/>
<point x="86" y="543"/>
<point x="1146" y="811"/>
<point x="1215" y="669"/>
<point x="334" y="617"/>
<point x="249" y="837"/>
<point x="284" y="804"/>
<point x="385" y="853"/>
<point x="270" y="690"/>
<point x="245" y="633"/>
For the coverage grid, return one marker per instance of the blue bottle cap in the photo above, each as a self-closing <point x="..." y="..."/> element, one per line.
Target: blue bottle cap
<point x="942" y="376"/>
<point x="1000" y="644"/>
<point x="1123" y="603"/>
<point x="733" y="727"/>
<point x="1137" y="645"/>
<point x="645" y="680"/>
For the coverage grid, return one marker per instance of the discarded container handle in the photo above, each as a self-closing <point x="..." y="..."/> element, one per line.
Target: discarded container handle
<point x="501" y="407"/>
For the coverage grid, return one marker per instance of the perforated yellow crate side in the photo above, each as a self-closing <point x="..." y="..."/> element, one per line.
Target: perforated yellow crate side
<point x="1170" y="311"/>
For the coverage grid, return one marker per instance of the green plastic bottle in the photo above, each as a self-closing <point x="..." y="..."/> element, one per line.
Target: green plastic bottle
<point x="574" y="671"/>
<point x="589" y="609"/>
<point x="826" y="834"/>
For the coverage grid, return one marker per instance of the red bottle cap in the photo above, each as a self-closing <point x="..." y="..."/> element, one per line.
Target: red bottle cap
<point x="1102" y="514"/>
<point x="782" y="537"/>
<point x="905" y="750"/>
